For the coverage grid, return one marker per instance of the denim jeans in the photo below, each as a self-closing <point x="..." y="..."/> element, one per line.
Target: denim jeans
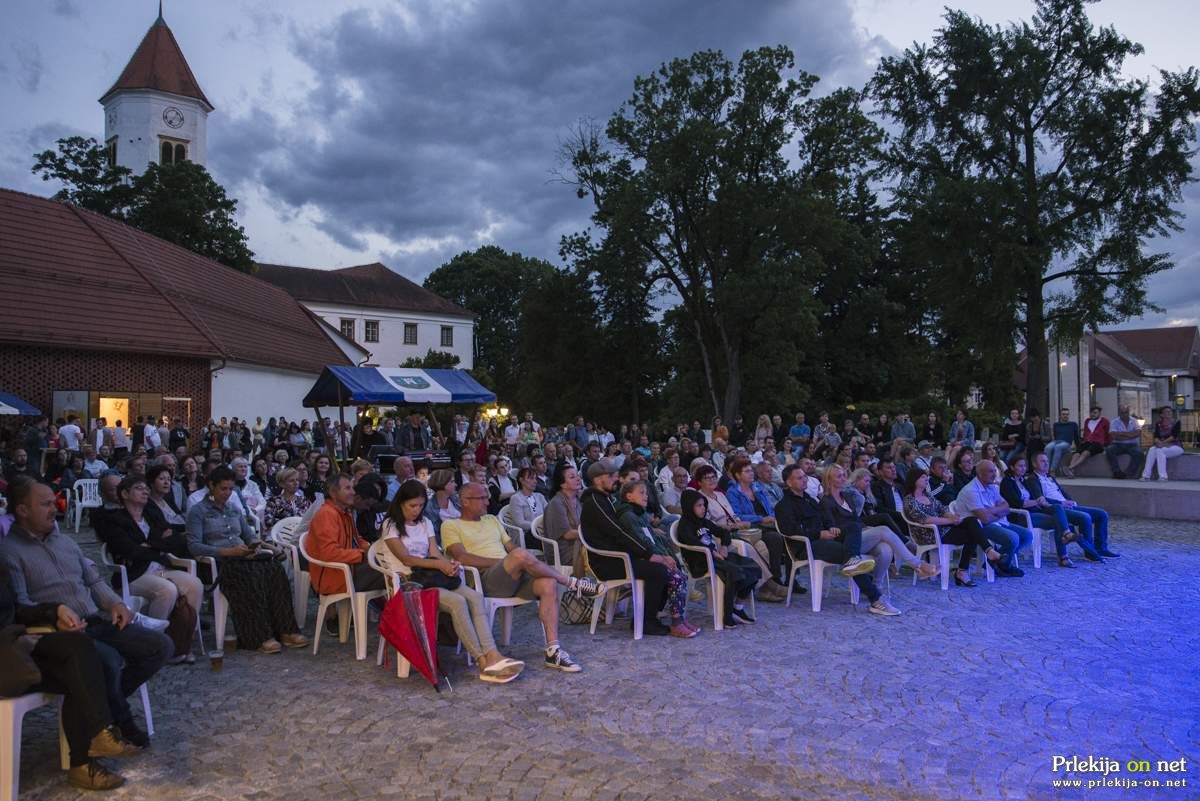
<point x="1009" y="538"/>
<point x="1136" y="457"/>
<point x="1008" y="454"/>
<point x="1055" y="451"/>
<point x="1050" y="522"/>
<point x="1063" y="521"/>
<point x="1092" y="522"/>
<point x="130" y="656"/>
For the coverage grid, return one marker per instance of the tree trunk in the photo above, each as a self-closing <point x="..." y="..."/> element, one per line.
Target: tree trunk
<point x="733" y="379"/>
<point x="1037" y="362"/>
<point x="708" y="370"/>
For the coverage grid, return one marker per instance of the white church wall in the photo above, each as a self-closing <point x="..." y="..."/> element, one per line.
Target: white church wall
<point x="141" y="118"/>
<point x="247" y="391"/>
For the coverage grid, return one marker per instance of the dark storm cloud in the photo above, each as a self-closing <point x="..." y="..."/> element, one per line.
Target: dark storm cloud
<point x="444" y="124"/>
<point x="29" y="66"/>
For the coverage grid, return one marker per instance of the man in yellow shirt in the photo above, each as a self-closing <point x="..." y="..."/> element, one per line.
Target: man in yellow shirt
<point x="478" y="540"/>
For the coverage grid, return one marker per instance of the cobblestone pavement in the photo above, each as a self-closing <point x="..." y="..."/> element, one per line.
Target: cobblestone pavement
<point x="968" y="695"/>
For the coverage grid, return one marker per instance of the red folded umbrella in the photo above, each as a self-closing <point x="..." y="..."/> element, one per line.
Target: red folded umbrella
<point x="409" y="624"/>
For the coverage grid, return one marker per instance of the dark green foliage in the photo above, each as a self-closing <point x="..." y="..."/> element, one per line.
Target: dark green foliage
<point x="1033" y="174"/>
<point x="180" y="203"/>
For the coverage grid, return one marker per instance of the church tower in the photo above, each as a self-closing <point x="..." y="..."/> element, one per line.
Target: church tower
<point x="156" y="111"/>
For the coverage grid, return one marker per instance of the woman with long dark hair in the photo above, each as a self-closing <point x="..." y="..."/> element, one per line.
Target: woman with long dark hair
<point x="921" y="507"/>
<point x="414" y="553"/>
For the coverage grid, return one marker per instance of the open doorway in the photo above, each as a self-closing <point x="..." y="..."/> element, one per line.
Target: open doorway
<point x="114" y="408"/>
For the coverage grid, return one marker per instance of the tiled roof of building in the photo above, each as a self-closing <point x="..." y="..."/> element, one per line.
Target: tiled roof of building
<point x="1174" y="348"/>
<point x="371" y="285"/>
<point x="158" y="63"/>
<point x="77" y="279"/>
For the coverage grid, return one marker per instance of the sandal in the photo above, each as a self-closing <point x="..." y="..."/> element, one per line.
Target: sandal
<point x="925" y="570"/>
<point x="1065" y="562"/>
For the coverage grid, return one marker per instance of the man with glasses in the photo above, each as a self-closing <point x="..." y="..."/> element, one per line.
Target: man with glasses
<point x="478" y="540"/>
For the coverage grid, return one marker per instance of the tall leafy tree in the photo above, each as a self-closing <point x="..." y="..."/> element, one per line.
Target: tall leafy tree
<point x="180" y="203"/>
<point x="692" y="170"/>
<point x="1034" y="174"/>
<point x="490" y="282"/>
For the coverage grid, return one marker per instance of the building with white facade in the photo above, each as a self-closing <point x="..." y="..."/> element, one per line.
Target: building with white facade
<point x="156" y="111"/>
<point x="1143" y="368"/>
<point x="391" y="317"/>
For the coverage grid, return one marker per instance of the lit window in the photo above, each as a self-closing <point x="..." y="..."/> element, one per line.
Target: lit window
<point x="410" y="333"/>
<point x="348" y="328"/>
<point x="372" y="331"/>
<point x="447" y="336"/>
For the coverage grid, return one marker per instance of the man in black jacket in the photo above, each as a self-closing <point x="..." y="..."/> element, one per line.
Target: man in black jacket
<point x="889" y="494"/>
<point x="411" y="438"/>
<point x="799" y="514"/>
<point x="601" y="528"/>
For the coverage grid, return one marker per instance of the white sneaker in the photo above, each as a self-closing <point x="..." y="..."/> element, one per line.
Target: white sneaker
<point x="857" y="565"/>
<point x="152" y="623"/>
<point x="882" y="607"/>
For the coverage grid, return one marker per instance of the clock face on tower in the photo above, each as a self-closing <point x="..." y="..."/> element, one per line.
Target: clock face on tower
<point x="112" y="119"/>
<point x="172" y="116"/>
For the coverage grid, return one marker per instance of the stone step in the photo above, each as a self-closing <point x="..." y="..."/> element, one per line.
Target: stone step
<point x="1162" y="500"/>
<point x="1184" y="468"/>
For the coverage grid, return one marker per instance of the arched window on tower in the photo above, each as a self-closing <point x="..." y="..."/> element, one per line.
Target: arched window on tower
<point x="172" y="152"/>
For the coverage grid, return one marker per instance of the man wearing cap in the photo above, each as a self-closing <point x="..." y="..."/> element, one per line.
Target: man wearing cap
<point x="506" y="571"/>
<point x="924" y="458"/>
<point x="601" y="528"/>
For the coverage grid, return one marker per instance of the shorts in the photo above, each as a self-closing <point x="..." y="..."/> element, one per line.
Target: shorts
<point x="1091" y="447"/>
<point x="498" y="584"/>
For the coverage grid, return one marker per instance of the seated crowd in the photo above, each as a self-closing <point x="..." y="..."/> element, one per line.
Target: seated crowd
<point x="525" y="508"/>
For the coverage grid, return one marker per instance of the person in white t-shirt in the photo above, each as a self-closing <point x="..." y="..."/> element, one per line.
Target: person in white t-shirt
<point x="150" y="436"/>
<point x="71" y="435"/>
<point x="413" y="552"/>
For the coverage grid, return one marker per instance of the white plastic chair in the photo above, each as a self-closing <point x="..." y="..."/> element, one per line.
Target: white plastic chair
<point x="716" y="586"/>
<point x="351" y="605"/>
<point x="12" y="716"/>
<point x="607" y="597"/>
<point x="504" y="605"/>
<point x="220" y="604"/>
<point x="283" y="533"/>
<point x="509" y="521"/>
<point x="535" y="530"/>
<point x="816" y="571"/>
<point x="380" y="558"/>
<point x="944" y="552"/>
<point x="85" y="494"/>
<point x="1036" y="545"/>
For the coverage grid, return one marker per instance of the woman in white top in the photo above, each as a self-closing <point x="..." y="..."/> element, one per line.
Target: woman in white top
<point x="415" y="554"/>
<point x="251" y="495"/>
<point x="527" y="504"/>
<point x="500" y="481"/>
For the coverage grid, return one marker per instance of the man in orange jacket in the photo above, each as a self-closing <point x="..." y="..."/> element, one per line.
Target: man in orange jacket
<point x="332" y="537"/>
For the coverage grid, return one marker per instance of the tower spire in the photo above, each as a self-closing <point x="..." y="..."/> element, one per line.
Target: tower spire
<point x="160" y="16"/>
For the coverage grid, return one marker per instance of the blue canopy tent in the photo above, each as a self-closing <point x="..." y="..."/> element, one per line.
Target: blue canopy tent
<point x="361" y="386"/>
<point x="11" y="404"/>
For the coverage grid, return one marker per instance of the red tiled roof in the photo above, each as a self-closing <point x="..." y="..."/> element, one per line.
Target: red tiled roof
<point x="1175" y="348"/>
<point x="77" y="279"/>
<point x="158" y="63"/>
<point x="371" y="285"/>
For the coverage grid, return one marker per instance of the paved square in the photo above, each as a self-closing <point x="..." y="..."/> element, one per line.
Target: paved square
<point x="968" y="695"/>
